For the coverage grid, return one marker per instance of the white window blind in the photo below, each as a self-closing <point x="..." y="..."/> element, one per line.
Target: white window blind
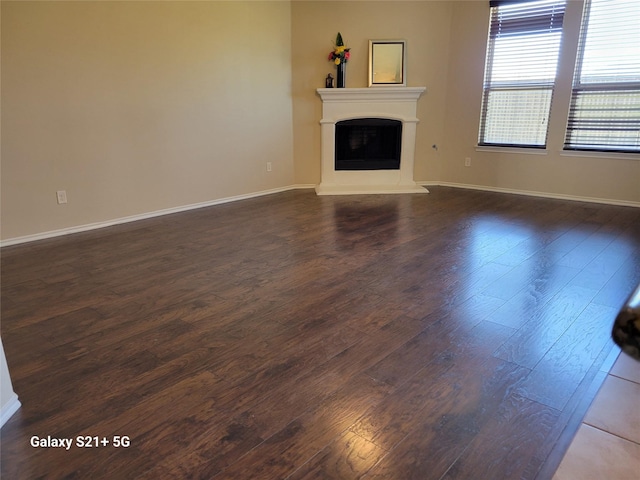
<point x="605" y="104"/>
<point x="520" y="71"/>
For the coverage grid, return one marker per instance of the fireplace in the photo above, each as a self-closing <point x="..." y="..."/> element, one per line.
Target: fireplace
<point x="368" y="144"/>
<point x="368" y="140"/>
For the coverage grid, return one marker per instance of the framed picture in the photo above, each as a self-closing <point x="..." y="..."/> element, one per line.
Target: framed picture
<point x="387" y="62"/>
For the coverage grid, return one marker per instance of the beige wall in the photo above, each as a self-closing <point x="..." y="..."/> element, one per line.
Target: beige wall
<point x="424" y="24"/>
<point x="603" y="177"/>
<point x="135" y="107"/>
<point x="446" y="53"/>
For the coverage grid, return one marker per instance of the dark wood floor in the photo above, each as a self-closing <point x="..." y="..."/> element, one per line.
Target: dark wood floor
<point x="456" y="335"/>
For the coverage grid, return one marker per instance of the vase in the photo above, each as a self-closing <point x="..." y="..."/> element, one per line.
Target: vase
<point x="341" y="74"/>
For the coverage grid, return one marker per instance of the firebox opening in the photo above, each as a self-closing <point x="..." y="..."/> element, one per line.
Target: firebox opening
<point x="368" y="144"/>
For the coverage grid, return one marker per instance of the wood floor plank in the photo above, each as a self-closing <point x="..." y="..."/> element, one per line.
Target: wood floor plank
<point x="458" y="334"/>
<point x="562" y="369"/>
<point x="299" y="442"/>
<point x="544" y="326"/>
<point x="621" y="284"/>
<point x="506" y="446"/>
<point x="349" y="456"/>
<point x="444" y="430"/>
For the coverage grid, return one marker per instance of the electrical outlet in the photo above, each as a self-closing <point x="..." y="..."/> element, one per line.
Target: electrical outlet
<point x="62" y="196"/>
<point x="467" y="161"/>
<point x="268" y="166"/>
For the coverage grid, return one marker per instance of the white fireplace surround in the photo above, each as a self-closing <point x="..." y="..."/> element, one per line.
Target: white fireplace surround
<point x="397" y="103"/>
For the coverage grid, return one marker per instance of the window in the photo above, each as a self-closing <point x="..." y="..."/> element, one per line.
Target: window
<point x="605" y="102"/>
<point x="520" y="71"/>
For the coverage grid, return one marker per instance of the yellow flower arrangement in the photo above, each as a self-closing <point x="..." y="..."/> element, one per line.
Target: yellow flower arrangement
<point x="340" y="54"/>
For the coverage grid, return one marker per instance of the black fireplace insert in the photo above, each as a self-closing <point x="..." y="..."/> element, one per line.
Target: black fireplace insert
<point x="368" y="144"/>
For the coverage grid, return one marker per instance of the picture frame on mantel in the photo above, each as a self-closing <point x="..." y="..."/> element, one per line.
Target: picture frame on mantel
<point x="387" y="63"/>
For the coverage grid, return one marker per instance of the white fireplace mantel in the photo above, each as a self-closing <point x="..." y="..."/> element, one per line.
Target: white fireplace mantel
<point x="397" y="103"/>
<point x="371" y="94"/>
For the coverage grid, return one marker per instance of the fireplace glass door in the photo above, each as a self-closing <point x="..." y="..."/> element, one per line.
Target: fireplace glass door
<point x="368" y="144"/>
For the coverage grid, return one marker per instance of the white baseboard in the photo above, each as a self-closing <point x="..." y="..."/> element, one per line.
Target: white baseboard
<point x="143" y="216"/>
<point x="9" y="409"/>
<point x="530" y="193"/>
<point x="184" y="208"/>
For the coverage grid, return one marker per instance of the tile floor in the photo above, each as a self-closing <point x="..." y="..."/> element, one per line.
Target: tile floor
<point x="607" y="444"/>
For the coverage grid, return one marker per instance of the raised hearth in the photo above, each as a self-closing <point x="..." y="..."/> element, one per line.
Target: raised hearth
<point x="389" y="103"/>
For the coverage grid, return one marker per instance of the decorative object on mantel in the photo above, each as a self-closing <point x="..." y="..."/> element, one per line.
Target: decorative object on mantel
<point x="340" y="56"/>
<point x="387" y="63"/>
<point x="328" y="82"/>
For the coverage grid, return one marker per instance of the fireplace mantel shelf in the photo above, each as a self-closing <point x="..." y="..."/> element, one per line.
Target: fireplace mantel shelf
<point x="397" y="103"/>
<point x="371" y="94"/>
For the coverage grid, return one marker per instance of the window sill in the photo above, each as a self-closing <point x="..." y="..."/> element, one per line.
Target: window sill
<point x="527" y="151"/>
<point x="595" y="154"/>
